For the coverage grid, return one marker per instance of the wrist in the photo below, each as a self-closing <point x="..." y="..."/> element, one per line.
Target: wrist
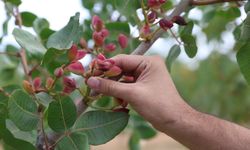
<point x="180" y="119"/>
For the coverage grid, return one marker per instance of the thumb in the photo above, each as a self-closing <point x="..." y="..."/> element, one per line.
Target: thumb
<point x="108" y="87"/>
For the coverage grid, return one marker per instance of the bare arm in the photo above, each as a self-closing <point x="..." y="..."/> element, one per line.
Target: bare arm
<point x="155" y="97"/>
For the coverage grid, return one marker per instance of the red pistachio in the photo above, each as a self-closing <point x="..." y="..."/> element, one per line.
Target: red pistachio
<point x="49" y="83"/>
<point x="76" y="68"/>
<point x="145" y="31"/>
<point x="113" y="71"/>
<point x="80" y="54"/>
<point x="98" y="38"/>
<point x="165" y="24"/>
<point x="104" y="33"/>
<point x="127" y="79"/>
<point x="72" y="52"/>
<point x="123" y="41"/>
<point x="152" y="16"/>
<point x="110" y="47"/>
<point x="101" y="57"/>
<point x="69" y="85"/>
<point x="179" y="20"/>
<point x="28" y="87"/>
<point x="97" y="23"/>
<point x="37" y="83"/>
<point x="58" y="72"/>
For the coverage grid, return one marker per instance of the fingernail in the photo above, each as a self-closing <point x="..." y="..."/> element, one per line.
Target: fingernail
<point x="93" y="83"/>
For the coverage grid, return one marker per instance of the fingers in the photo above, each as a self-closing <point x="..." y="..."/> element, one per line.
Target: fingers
<point x="109" y="87"/>
<point x="128" y="63"/>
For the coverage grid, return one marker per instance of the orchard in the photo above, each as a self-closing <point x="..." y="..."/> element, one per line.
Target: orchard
<point x="43" y="90"/>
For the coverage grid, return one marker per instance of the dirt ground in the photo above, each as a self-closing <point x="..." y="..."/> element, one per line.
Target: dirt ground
<point x="160" y="142"/>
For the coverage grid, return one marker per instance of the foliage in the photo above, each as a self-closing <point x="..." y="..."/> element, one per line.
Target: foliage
<point x="61" y="111"/>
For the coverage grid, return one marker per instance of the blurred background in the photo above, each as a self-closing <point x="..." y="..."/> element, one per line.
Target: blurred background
<point x="211" y="82"/>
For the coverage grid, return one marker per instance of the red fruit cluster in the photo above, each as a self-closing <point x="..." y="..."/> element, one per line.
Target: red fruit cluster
<point x="101" y="33"/>
<point x="101" y="66"/>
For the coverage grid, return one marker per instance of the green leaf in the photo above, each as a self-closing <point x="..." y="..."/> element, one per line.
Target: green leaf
<point x="118" y="26"/>
<point x="134" y="141"/>
<point x="44" y="98"/>
<point x="28" y="41"/>
<point x="73" y="141"/>
<point x="243" y="59"/>
<point x="145" y="131"/>
<point x="39" y="24"/>
<point x="245" y="32"/>
<point x="64" y="38"/>
<point x="14" y="2"/>
<point x="172" y="55"/>
<point x="101" y="126"/>
<point x="23" y="111"/>
<point x="28" y="18"/>
<point x="189" y="45"/>
<point x="54" y="58"/>
<point x="188" y="29"/>
<point x="61" y="114"/>
<point x="16" y="144"/>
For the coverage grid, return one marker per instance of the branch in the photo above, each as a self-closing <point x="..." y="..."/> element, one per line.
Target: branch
<point x="209" y="2"/>
<point x="144" y="46"/>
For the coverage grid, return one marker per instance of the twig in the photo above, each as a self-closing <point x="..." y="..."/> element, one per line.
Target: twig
<point x="25" y="65"/>
<point x="43" y="132"/>
<point x="209" y="2"/>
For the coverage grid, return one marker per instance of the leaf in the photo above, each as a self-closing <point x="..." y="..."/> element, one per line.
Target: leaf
<point x="245" y="32"/>
<point x="28" y="41"/>
<point x="64" y="38"/>
<point x="101" y="126"/>
<point x="28" y="18"/>
<point x="39" y="24"/>
<point x="14" y="2"/>
<point x="134" y="141"/>
<point x="61" y="114"/>
<point x="118" y="26"/>
<point x="44" y="98"/>
<point x="14" y="143"/>
<point x="188" y="29"/>
<point x="23" y="111"/>
<point x="73" y="141"/>
<point x="243" y="59"/>
<point x="172" y="55"/>
<point x="189" y="45"/>
<point x="145" y="131"/>
<point x="54" y="58"/>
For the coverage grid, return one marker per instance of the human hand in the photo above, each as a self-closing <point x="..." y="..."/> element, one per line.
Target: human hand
<point x="153" y="95"/>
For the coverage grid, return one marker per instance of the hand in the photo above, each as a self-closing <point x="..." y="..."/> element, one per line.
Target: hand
<point x="153" y="95"/>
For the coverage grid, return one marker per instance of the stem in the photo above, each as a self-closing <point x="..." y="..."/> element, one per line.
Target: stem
<point x="176" y="38"/>
<point x="209" y="2"/>
<point x="25" y="65"/>
<point x="144" y="12"/>
<point x="43" y="132"/>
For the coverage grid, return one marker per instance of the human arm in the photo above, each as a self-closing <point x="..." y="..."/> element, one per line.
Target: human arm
<point x="155" y="97"/>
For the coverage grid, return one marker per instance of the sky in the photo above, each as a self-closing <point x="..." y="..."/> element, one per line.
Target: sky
<point x="58" y="12"/>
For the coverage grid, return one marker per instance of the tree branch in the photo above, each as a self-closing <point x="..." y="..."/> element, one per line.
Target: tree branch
<point x="144" y="46"/>
<point x="209" y="2"/>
